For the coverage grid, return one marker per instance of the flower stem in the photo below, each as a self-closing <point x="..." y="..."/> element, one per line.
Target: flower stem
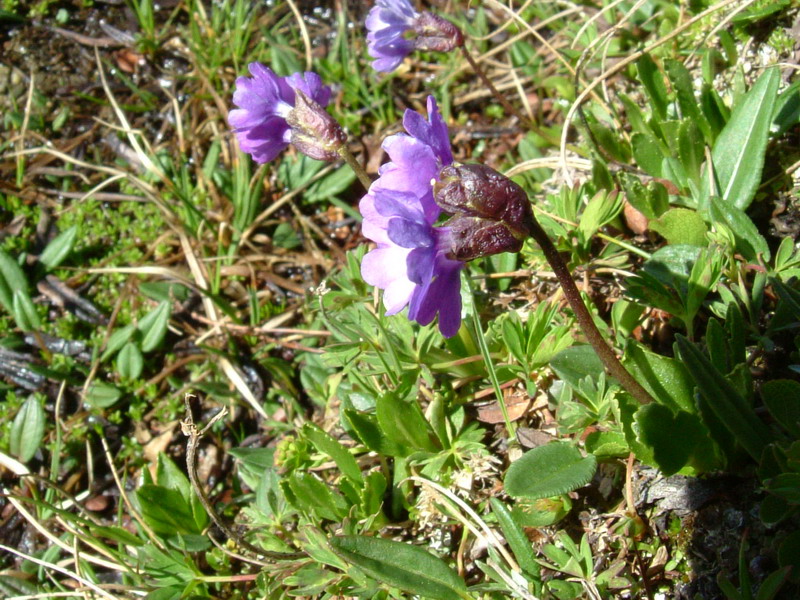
<point x="487" y="359"/>
<point x="584" y="317"/>
<point x="360" y="172"/>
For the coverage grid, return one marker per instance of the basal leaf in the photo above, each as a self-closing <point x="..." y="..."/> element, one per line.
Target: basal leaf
<point x="403" y="566"/>
<point x="681" y="226"/>
<point x="550" y="470"/>
<point x="738" y="154"/>
<point x="726" y="403"/>
<point x="748" y="240"/>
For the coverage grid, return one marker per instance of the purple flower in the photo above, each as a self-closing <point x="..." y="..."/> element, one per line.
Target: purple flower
<point x="264" y="102"/>
<point x="387" y="24"/>
<point x="412" y="262"/>
<point x="394" y="29"/>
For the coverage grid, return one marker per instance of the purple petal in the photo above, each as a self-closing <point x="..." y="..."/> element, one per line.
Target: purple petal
<point x="432" y="132"/>
<point x="311" y="85"/>
<point x="396" y="203"/>
<point x="374" y="225"/>
<point x="386" y="25"/>
<point x="441" y="295"/>
<point x="419" y="265"/>
<point x="410" y="234"/>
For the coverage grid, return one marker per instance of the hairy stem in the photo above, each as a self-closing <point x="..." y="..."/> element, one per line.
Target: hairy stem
<point x="359" y="170"/>
<point x="584" y="317"/>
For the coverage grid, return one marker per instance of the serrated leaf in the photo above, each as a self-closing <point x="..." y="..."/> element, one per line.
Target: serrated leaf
<point x="681" y="226"/>
<point x="154" y="326"/>
<point x="550" y="470"/>
<point x="313" y="495"/>
<point x="27" y="430"/>
<point x="738" y="154"/>
<point x="57" y="250"/>
<point x="648" y="153"/>
<point x="403" y="566"/>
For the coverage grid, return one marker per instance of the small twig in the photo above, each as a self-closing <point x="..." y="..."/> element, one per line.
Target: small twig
<point x="189" y="429"/>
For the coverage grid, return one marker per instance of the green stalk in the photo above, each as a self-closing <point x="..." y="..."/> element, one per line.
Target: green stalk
<point x="487" y="359"/>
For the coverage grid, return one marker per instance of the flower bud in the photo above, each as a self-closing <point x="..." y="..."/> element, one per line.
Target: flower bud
<point x="491" y="213"/>
<point x="436" y="33"/>
<point x="315" y="133"/>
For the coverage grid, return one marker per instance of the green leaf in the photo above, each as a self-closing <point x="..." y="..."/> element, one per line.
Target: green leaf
<point x="117" y="340"/>
<point x="681" y="80"/>
<point x="102" y="395"/>
<point x="57" y="250"/>
<point x="782" y="399"/>
<point x="681" y="226"/>
<point x="403" y="566"/>
<point x="154" y="326"/>
<point x="738" y="155"/>
<point x="647" y="152"/>
<point x="166" y="510"/>
<point x="748" y="240"/>
<point x="517" y="540"/>
<point x="11" y="279"/>
<point x="658" y="427"/>
<point x="25" y="312"/>
<point x="403" y="423"/>
<point x="653" y="82"/>
<point x="27" y="430"/>
<point x="326" y="444"/>
<point x="576" y="363"/>
<point x="787" y="109"/>
<point x="313" y="495"/>
<point x="365" y="427"/>
<point x="550" y="470"/>
<point x="726" y="403"/>
<point x="130" y="361"/>
<point x="665" y="378"/>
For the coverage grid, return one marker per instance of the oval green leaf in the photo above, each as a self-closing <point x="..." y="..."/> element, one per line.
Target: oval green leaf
<point x="399" y="565"/>
<point x="25" y="312"/>
<point x="27" y="430"/>
<point x="57" y="250"/>
<point x="130" y="361"/>
<point x="102" y="395"/>
<point x="11" y="278"/>
<point x="550" y="470"/>
<point x="154" y="326"/>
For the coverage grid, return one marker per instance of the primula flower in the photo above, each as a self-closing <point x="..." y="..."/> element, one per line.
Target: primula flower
<point x="413" y="261"/>
<point x="265" y="101"/>
<point x="394" y="29"/>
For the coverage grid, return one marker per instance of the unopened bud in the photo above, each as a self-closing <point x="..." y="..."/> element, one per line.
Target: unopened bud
<point x="315" y="133"/>
<point x="436" y="33"/>
<point x="491" y="213"/>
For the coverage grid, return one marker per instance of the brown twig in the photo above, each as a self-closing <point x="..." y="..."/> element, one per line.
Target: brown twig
<point x="190" y="430"/>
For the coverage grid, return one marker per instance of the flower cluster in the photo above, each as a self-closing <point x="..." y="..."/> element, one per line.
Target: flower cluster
<point x="275" y="111"/>
<point x="413" y="260"/>
<point x="395" y="29"/>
